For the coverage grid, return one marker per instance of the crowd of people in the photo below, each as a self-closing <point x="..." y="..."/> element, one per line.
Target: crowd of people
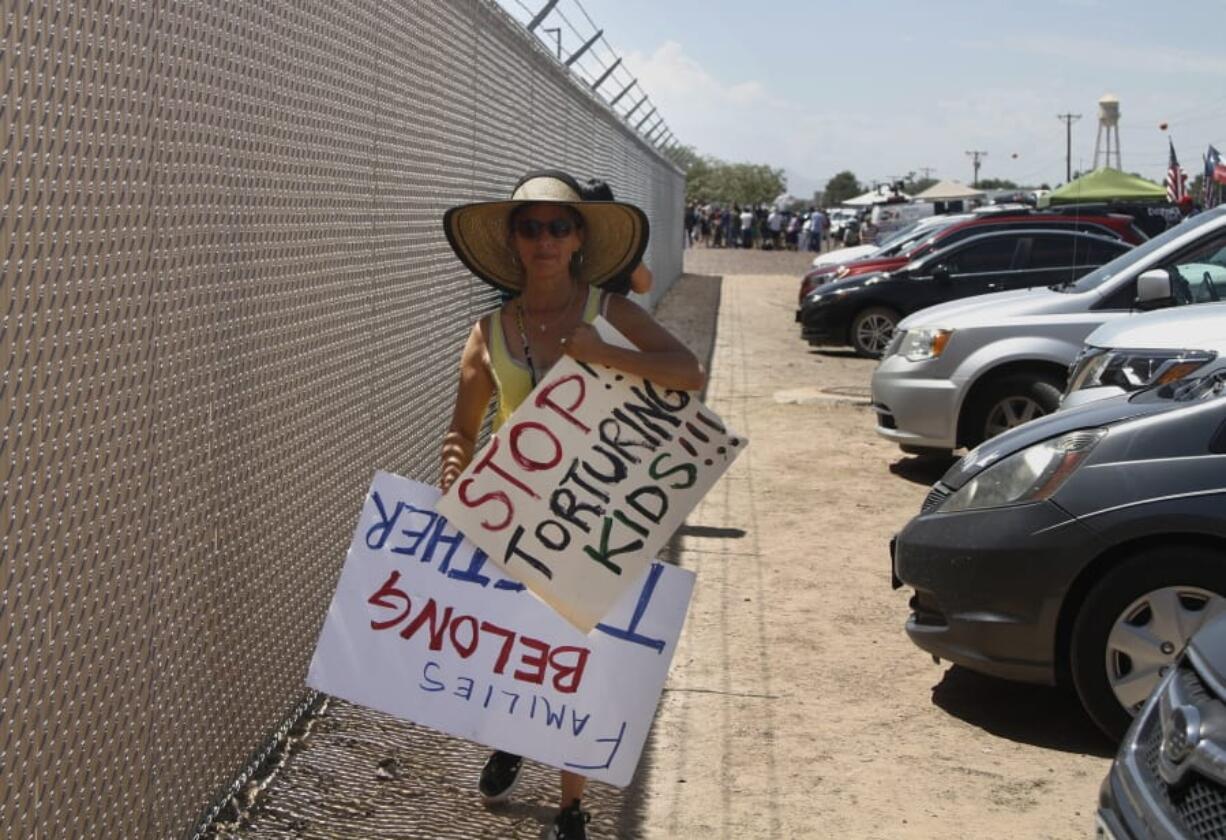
<point x="754" y="226"/>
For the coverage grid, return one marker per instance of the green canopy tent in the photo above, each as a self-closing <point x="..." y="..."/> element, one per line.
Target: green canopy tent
<point x="1105" y="185"/>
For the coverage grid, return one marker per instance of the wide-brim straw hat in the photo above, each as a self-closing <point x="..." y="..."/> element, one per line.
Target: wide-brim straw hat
<point x="614" y="238"/>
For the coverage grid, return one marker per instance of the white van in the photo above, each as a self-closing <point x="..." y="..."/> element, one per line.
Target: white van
<point x="1155" y="348"/>
<point x="888" y="218"/>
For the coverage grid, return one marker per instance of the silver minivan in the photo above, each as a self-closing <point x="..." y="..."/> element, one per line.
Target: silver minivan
<point x="960" y="372"/>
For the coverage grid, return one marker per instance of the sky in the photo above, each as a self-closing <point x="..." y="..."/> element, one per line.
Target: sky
<point x="888" y="87"/>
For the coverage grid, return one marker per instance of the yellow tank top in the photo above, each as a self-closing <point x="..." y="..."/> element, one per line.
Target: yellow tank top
<point x="512" y="379"/>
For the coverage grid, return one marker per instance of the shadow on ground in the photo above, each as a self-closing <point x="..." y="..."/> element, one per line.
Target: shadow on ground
<point x="834" y="353"/>
<point x="1043" y="716"/>
<point x="925" y="470"/>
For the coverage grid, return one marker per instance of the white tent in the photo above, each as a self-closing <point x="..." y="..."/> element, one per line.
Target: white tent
<point x="878" y="196"/>
<point x="949" y="191"/>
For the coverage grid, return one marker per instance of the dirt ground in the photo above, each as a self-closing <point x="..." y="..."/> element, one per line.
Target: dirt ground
<point x="796" y="706"/>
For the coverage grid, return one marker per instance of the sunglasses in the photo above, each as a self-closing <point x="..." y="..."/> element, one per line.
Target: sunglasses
<point x="532" y="229"/>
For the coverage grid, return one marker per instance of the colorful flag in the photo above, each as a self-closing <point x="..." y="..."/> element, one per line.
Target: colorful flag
<point x="1176" y="178"/>
<point x="1215" y="175"/>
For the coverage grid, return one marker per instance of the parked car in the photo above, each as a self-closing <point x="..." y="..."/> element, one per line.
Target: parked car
<point x="958" y="373"/>
<point x="1168" y="779"/>
<point x="1085" y="546"/>
<point x="1153" y="348"/>
<point x="964" y="225"/>
<point x="862" y="311"/>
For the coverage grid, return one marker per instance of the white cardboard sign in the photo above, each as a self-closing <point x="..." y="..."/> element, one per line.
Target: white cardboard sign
<point x="424" y="628"/>
<point x="586" y="482"/>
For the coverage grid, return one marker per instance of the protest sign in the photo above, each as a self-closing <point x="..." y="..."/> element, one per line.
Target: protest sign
<point x="586" y="482"/>
<point x="424" y="628"/>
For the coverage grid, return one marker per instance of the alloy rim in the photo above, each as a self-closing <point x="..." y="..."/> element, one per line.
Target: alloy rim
<point x="1149" y="635"/>
<point x="1011" y="412"/>
<point x="874" y="333"/>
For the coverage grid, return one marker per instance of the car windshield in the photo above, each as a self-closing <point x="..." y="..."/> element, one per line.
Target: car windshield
<point x="909" y="236"/>
<point x="1106" y="271"/>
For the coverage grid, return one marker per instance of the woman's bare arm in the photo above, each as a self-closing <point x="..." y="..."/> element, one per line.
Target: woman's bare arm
<point x="471" y="403"/>
<point x="660" y="357"/>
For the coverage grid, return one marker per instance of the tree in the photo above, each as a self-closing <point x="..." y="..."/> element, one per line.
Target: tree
<point x="997" y="184"/>
<point x="842" y="187"/>
<point x="711" y="179"/>
<point x="915" y="186"/>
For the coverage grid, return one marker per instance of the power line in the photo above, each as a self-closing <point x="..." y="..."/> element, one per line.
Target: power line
<point x="1068" y="120"/>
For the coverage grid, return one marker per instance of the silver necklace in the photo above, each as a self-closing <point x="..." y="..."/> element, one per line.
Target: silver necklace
<point x="523" y="333"/>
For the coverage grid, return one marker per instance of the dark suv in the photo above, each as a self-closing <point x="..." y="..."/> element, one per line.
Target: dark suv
<point x="862" y="311"/>
<point x="902" y="251"/>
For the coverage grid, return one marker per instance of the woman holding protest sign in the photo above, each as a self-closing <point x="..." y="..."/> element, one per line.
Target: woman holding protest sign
<point x="550" y="250"/>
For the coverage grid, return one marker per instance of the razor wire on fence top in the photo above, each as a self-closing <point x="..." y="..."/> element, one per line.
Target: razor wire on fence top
<point x="227" y="300"/>
<point x="568" y="31"/>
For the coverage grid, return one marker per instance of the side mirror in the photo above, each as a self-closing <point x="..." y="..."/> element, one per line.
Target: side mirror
<point x="941" y="273"/>
<point x="1154" y="289"/>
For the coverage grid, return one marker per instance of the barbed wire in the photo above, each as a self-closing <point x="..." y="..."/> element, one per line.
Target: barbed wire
<point x="581" y="47"/>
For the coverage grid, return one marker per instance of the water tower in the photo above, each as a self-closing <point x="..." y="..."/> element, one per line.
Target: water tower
<point x="1108" y="128"/>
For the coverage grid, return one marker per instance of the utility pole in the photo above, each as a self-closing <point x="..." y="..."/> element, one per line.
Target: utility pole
<point x="927" y="170"/>
<point x="1068" y="120"/>
<point x="975" y="156"/>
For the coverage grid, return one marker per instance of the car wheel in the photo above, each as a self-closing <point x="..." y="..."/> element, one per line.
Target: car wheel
<point x="1134" y="624"/>
<point x="872" y="329"/>
<point x="1010" y="402"/>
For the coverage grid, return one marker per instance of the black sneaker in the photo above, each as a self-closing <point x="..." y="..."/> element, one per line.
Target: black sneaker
<point x="500" y="776"/>
<point x="570" y="823"/>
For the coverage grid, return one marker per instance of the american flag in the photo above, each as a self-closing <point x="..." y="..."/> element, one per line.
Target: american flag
<point x="1215" y="176"/>
<point x="1176" y="178"/>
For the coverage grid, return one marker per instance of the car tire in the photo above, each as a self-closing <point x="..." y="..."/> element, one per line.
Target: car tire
<point x="872" y="329"/>
<point x="1011" y="401"/>
<point x="1161" y="592"/>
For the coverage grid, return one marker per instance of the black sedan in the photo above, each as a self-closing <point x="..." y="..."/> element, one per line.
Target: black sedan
<point x="863" y="311"/>
<point x="1089" y="545"/>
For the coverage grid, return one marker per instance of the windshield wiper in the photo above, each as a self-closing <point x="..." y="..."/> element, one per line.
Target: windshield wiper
<point x="1060" y="287"/>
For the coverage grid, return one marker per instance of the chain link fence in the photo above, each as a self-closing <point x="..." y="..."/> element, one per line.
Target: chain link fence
<point x="226" y="301"/>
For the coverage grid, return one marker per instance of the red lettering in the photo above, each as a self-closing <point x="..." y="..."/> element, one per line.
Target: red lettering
<point x="508" y="639"/>
<point x="429" y="613"/>
<point x="565" y="672"/>
<point x="497" y="496"/>
<point x="465" y="651"/>
<point x="545" y="400"/>
<point x="381" y="599"/>
<point x="537" y="661"/>
<point x="523" y="460"/>
<point x="487" y="460"/>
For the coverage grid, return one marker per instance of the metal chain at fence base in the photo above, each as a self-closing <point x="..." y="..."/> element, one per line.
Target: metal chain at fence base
<point x="226" y="301"/>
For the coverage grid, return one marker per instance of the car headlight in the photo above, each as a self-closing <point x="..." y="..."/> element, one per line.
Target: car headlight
<point x="1131" y="370"/>
<point x="1031" y="475"/>
<point x="918" y="345"/>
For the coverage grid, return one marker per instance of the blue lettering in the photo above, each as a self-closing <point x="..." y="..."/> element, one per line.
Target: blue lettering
<point x="553" y="720"/>
<point x="434" y="685"/>
<point x="578" y="725"/>
<point x="489" y="693"/>
<point x="616" y="742"/>
<point x="385" y="524"/>
<point x="514" y="699"/>
<point x="417" y="536"/>
<point x="438" y="535"/>
<point x="467" y="691"/>
<point x="631" y="634"/>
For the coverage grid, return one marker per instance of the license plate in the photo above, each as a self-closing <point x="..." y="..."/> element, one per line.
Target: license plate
<point x="1102" y="831"/>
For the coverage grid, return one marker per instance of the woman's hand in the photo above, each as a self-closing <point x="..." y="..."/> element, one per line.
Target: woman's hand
<point x="584" y="344"/>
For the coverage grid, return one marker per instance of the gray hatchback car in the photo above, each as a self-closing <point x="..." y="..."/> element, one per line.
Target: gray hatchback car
<point x="1088" y="545"/>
